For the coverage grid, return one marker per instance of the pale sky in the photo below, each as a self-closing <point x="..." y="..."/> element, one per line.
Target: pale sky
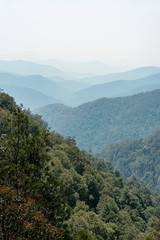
<point x="113" y="31"/>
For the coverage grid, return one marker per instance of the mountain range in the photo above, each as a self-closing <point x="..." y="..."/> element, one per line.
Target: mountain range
<point x="115" y="89"/>
<point x="29" y="97"/>
<point x="85" y="68"/>
<point x="133" y="74"/>
<point x="36" y="91"/>
<point x="106" y="120"/>
<point x="52" y="86"/>
<point x="60" y="191"/>
<point x="52" y="190"/>
<point x="31" y="68"/>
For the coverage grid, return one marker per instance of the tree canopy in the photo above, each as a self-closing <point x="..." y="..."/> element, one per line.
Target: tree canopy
<point x="50" y="189"/>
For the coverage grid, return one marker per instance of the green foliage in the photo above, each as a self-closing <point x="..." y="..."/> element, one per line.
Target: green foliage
<point x="22" y="154"/>
<point x="7" y="102"/>
<point x="137" y="157"/>
<point x="90" y="222"/>
<point x="119" y="207"/>
<point x="21" y="218"/>
<point x="52" y="190"/>
<point x="23" y="166"/>
<point x="83" y="235"/>
<point x="107" y="209"/>
<point x="106" y="120"/>
<point x="4" y="115"/>
<point x="153" y="236"/>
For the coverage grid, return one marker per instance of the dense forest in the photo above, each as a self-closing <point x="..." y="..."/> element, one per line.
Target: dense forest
<point x="106" y="120"/>
<point x="139" y="157"/>
<point x="49" y="189"/>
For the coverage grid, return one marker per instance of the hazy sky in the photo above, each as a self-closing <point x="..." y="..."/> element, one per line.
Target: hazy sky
<point x="113" y="31"/>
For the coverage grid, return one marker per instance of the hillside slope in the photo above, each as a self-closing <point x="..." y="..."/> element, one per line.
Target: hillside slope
<point x="139" y="157"/>
<point x="98" y="123"/>
<point x="49" y="189"/>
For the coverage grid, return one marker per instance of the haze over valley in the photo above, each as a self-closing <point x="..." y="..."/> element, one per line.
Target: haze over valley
<point x="79" y="120"/>
<point x="48" y="83"/>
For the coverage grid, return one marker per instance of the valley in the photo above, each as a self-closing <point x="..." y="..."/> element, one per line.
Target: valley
<point x="61" y="164"/>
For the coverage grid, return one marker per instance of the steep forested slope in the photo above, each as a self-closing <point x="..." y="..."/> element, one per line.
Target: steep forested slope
<point x="38" y="169"/>
<point x="106" y="120"/>
<point x="139" y="157"/>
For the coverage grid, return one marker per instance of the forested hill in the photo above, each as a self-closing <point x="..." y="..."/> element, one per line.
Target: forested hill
<point x="49" y="189"/>
<point x="106" y="120"/>
<point x="139" y="157"/>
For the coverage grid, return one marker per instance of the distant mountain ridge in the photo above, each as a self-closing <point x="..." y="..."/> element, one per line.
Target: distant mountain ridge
<point x="29" y="97"/>
<point x="31" y="68"/>
<point x="93" y="67"/>
<point x="70" y="92"/>
<point x="35" y="82"/>
<point x="115" y="89"/>
<point x="133" y="74"/>
<point x="53" y="91"/>
<point x="98" y="123"/>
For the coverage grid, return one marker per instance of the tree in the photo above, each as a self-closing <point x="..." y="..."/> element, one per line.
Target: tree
<point x="23" y="167"/>
<point x="22" y="154"/>
<point x="7" y="102"/>
<point x="21" y="218"/>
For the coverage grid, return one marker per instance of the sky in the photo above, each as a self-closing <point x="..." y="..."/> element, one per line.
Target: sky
<point x="117" y="32"/>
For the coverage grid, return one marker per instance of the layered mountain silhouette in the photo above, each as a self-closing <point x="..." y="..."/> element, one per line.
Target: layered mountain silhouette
<point x="36" y="91"/>
<point x="73" y="93"/>
<point x="128" y="75"/>
<point x="29" y="97"/>
<point x="115" y="89"/>
<point x="31" y="68"/>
